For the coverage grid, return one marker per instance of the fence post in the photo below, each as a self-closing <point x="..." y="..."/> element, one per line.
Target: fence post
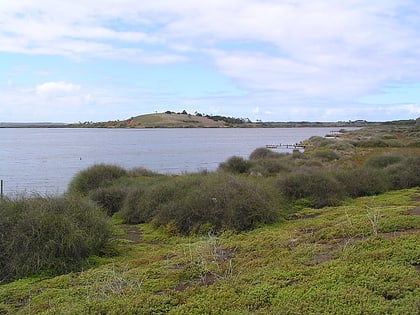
<point x="1" y="188"/>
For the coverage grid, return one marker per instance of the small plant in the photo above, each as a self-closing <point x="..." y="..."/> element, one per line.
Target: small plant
<point x="373" y="216"/>
<point x="209" y="261"/>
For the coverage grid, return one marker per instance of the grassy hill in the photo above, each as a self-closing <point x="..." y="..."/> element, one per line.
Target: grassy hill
<point x="168" y="120"/>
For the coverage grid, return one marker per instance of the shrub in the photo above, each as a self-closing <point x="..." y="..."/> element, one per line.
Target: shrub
<point x="94" y="177"/>
<point x="226" y="202"/>
<point x="235" y="164"/>
<point x="414" y="143"/>
<point x="264" y="153"/>
<point x="268" y="167"/>
<point x="362" y="181"/>
<point x="317" y="186"/>
<point x="111" y="199"/>
<point x="318" y="141"/>
<point x="141" y="171"/>
<point x="341" y="146"/>
<point x="48" y="235"/>
<point x="384" y="160"/>
<point x="145" y="200"/>
<point x="193" y="203"/>
<point x="370" y="143"/>
<point x="326" y="155"/>
<point x="405" y="174"/>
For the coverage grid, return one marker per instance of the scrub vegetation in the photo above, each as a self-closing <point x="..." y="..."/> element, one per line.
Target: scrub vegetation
<point x="331" y="230"/>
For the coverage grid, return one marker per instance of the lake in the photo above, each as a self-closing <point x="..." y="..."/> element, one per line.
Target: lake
<point x="44" y="160"/>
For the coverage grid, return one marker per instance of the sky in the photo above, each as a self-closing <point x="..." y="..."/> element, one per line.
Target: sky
<point x="269" y="60"/>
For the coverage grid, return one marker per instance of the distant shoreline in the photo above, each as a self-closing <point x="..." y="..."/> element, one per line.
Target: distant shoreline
<point x="185" y="120"/>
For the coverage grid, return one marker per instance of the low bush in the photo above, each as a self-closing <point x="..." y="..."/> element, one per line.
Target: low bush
<point x="94" y="177"/>
<point x="268" y="167"/>
<point x="318" y="141"/>
<point x="384" y="160"/>
<point x="145" y="200"/>
<point x="341" y="146"/>
<point x="111" y="198"/>
<point x="317" y="187"/>
<point x="191" y="203"/>
<point x="326" y="155"/>
<point x="360" y="182"/>
<point x="370" y="143"/>
<point x="264" y="153"/>
<point x="49" y="235"/>
<point x="236" y="165"/>
<point x="141" y="171"/>
<point x="405" y="173"/>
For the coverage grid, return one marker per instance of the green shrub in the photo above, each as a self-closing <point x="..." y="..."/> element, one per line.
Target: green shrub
<point x="405" y="174"/>
<point x="145" y="200"/>
<point x="362" y="181"/>
<point x="384" y="160"/>
<point x="267" y="167"/>
<point x="341" y="146"/>
<point x="326" y="155"/>
<point x="111" y="199"/>
<point x="236" y="165"/>
<point x="48" y="235"/>
<point x="190" y="202"/>
<point x="316" y="186"/>
<point x="318" y="141"/>
<point x="94" y="177"/>
<point x="141" y="171"/>
<point x="414" y="143"/>
<point x="264" y="153"/>
<point x="370" y="143"/>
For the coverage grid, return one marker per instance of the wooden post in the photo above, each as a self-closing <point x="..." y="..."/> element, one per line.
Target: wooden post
<point x="1" y="188"/>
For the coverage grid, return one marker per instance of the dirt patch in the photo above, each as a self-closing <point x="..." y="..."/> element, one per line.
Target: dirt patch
<point x="131" y="233"/>
<point x="320" y="258"/>
<point x="298" y="216"/>
<point x="390" y="235"/>
<point x="414" y="211"/>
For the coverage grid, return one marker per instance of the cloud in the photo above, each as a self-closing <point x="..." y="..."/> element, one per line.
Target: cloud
<point x="314" y="47"/>
<point x="49" y="89"/>
<point x="308" y="56"/>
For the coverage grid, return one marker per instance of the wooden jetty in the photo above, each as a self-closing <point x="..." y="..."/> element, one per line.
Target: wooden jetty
<point x="286" y="146"/>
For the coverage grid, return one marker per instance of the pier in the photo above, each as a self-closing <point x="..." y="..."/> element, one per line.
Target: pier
<point x="286" y="146"/>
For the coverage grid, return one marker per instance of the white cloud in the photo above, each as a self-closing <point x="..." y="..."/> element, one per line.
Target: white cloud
<point x="283" y="53"/>
<point x="49" y="89"/>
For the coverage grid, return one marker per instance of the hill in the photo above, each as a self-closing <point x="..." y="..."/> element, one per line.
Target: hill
<point x="171" y="120"/>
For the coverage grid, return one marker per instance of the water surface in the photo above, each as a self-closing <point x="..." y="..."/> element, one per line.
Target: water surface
<point x="44" y="160"/>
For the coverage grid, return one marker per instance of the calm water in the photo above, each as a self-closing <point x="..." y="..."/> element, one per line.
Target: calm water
<point x="44" y="160"/>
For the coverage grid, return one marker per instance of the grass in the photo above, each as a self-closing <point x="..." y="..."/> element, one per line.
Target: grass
<point x="322" y="261"/>
<point x="165" y="120"/>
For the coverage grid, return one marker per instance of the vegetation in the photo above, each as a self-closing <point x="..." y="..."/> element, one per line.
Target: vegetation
<point x="213" y="202"/>
<point x="49" y="235"/>
<point x="95" y="177"/>
<point x="332" y="230"/>
<point x="170" y="119"/>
